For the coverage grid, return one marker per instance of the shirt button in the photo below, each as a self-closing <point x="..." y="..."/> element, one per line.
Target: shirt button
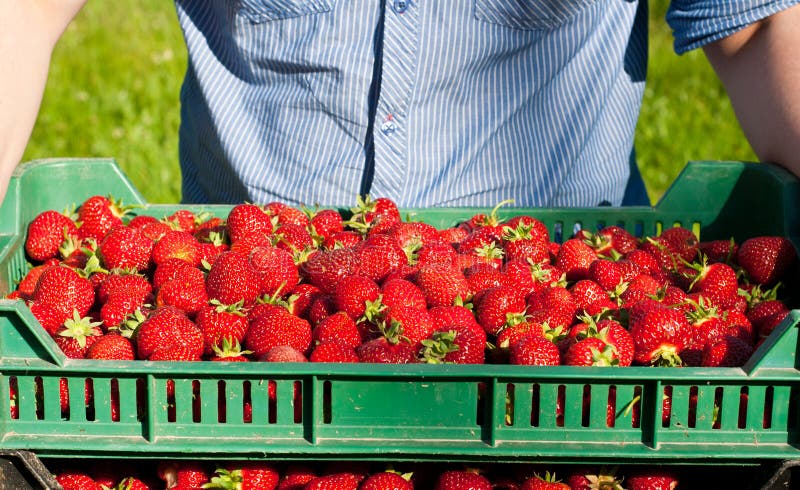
<point x="388" y="126"/>
<point x="400" y="6"/>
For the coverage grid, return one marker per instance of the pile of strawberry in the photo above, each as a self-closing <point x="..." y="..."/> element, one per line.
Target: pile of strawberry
<point x="278" y="283"/>
<point x="194" y="475"/>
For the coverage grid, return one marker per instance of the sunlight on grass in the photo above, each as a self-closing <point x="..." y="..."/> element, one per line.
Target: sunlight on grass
<point x="116" y="75"/>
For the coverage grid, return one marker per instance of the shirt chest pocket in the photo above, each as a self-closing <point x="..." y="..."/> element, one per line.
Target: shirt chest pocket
<point x="259" y="11"/>
<point x="529" y="15"/>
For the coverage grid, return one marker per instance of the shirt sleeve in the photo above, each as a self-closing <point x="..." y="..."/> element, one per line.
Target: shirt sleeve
<point x="696" y="23"/>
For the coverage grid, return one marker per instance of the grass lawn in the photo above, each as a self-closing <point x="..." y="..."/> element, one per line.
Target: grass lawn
<point x="116" y="75"/>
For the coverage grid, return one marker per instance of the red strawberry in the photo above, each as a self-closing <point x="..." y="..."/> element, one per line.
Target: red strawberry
<point x="379" y="256"/>
<point x="276" y="269"/>
<point x="606" y="273"/>
<point x="575" y="258"/>
<point x="337" y="481"/>
<point x="220" y="322"/>
<point x="293" y="238"/>
<point x="233" y="279"/>
<point x="448" y="316"/>
<point x="250" y="475"/>
<point x="183" y="220"/>
<point x="766" y="315"/>
<point x="548" y="482"/>
<point x="339" y="327"/>
<point x="333" y="351"/>
<point x="591" y="351"/>
<point x="462" y="480"/>
<point x="168" y="270"/>
<point x="499" y="307"/>
<point x="186" y="291"/>
<point x="46" y="232"/>
<point x="387" y="480"/>
<point x="275" y="326"/>
<point x="719" y="250"/>
<point x="651" y="479"/>
<point x="534" y="350"/>
<point x="483" y="276"/>
<point x="125" y="248"/>
<point x="413" y="233"/>
<point x="324" y="269"/>
<point x="727" y="351"/>
<point x="716" y="282"/>
<point x="183" y="474"/>
<point x="442" y="284"/>
<point x="588" y="479"/>
<point x="342" y="239"/>
<point x="390" y="348"/>
<point x="402" y="292"/>
<point x="521" y="242"/>
<point x="76" y="480"/>
<point x="353" y="293"/>
<point x="681" y="242"/>
<point x="766" y="258"/>
<point x="659" y="334"/>
<point x="248" y="219"/>
<point x="614" y="334"/>
<point x="177" y="245"/>
<point x="98" y="214"/>
<point x="295" y="477"/>
<point x="324" y="224"/>
<point x="65" y="290"/>
<point x="283" y="353"/>
<point x="435" y="253"/>
<point x="416" y="323"/>
<point x="229" y="351"/>
<point x="28" y="283"/>
<point x="456" y="344"/>
<point x="48" y="316"/>
<point x="558" y="299"/>
<point x="111" y="346"/>
<point x="168" y="327"/>
<point x="591" y="298"/>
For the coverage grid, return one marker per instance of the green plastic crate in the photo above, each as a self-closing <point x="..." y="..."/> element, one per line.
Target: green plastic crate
<point x="413" y="412"/>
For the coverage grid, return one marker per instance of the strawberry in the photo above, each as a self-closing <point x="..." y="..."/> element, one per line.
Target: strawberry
<point x="513" y="333"/>
<point x="46" y="232"/>
<point x="250" y="475"/>
<point x="125" y="248"/>
<point x="186" y="291"/>
<point x="588" y="479"/>
<point x="246" y="244"/>
<point x="727" y="351"/>
<point x="333" y="351"/>
<point x="547" y="482"/>
<point x="590" y="297"/>
<point x="378" y="256"/>
<point x="642" y="286"/>
<point x="131" y="483"/>
<point x="325" y="223"/>
<point x="483" y="276"/>
<point x="76" y="480"/>
<point x="336" y="481"/>
<point x="154" y="229"/>
<point x="177" y="244"/>
<point x="274" y="327"/>
<point x="123" y="284"/>
<point x="606" y="273"/>
<point x="246" y="220"/>
<point x="557" y="298"/>
<point x="448" y="316"/>
<point x="574" y="258"/>
<point x="352" y="294"/>
<point x="591" y="351"/>
<point x="324" y="269"/>
<point x="534" y="350"/>
<point x="374" y="215"/>
<point x="522" y="243"/>
<point x="766" y="315"/>
<point x="65" y="290"/>
<point x="387" y="480"/>
<point x="538" y="229"/>
<point x="283" y="353"/>
<point x="233" y="279"/>
<point x="168" y="327"/>
<point x="614" y="334"/>
<point x="651" y="479"/>
<point x="390" y="348"/>
<point x="396" y="292"/>
<point x="499" y="307"/>
<point x="295" y="477"/>
<point x="659" y="334"/>
<point x="182" y="474"/>
<point x="338" y="327"/>
<point x="462" y="480"/>
<point x="342" y="239"/>
<point x="681" y="242"/>
<point x="293" y="238"/>
<point x="412" y="233"/>
<point x="276" y="269"/>
<point x="229" y="351"/>
<point x="219" y="322"/>
<point x="766" y="258"/>
<point x="183" y="220"/>
<point x="717" y="282"/>
<point x="168" y="270"/>
<point x="456" y="344"/>
<point x="98" y="214"/>
<point x="50" y="318"/>
<point x="77" y="335"/>
<point x="439" y="252"/>
<point x="416" y="323"/>
<point x="111" y="346"/>
<point x="442" y="284"/>
<point x="28" y="283"/>
<point x="719" y="250"/>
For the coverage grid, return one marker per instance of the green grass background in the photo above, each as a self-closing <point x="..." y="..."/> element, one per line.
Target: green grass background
<point x="116" y="74"/>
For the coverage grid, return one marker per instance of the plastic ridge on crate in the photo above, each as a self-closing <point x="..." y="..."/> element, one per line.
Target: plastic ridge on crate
<point x="415" y="412"/>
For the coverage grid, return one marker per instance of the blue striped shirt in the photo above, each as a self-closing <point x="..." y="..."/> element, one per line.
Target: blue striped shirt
<point x="427" y="102"/>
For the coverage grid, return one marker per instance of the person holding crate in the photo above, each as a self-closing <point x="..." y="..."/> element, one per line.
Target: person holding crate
<point x="462" y="103"/>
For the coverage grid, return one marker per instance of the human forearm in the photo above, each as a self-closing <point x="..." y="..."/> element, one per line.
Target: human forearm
<point x="28" y="31"/>
<point x="760" y="69"/>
